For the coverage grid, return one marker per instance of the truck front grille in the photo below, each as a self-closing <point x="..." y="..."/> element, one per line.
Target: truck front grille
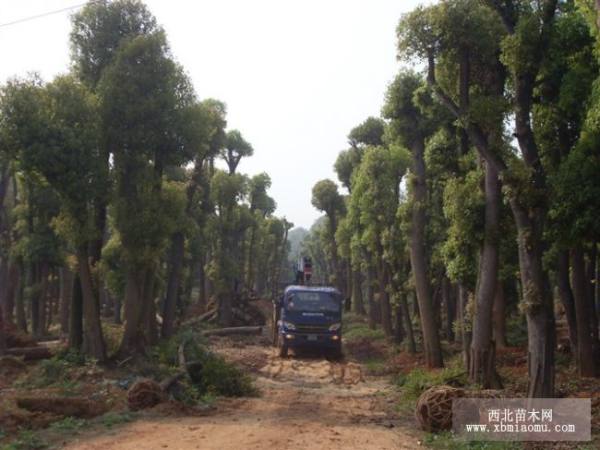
<point x="312" y="328"/>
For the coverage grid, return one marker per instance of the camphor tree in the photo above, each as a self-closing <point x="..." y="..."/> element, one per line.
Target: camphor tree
<point x="411" y="127"/>
<point x="57" y="133"/>
<point x="326" y="198"/>
<point x="145" y="100"/>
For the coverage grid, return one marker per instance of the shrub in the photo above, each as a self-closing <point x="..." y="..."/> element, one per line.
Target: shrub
<point x="70" y="424"/>
<point x="113" y="418"/>
<point x="27" y="440"/>
<point x="222" y="378"/>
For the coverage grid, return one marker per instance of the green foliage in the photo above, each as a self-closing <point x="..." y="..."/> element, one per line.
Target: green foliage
<point x="447" y="441"/>
<point x="236" y="147"/>
<point x="326" y="198"/>
<point x="222" y="378"/>
<point x="218" y="377"/>
<point x="414" y="383"/>
<point x="26" y="440"/>
<point x="71" y="425"/>
<point x="357" y="331"/>
<point x="368" y="133"/>
<point x="99" y="30"/>
<point x="111" y="419"/>
<point x="464" y="207"/>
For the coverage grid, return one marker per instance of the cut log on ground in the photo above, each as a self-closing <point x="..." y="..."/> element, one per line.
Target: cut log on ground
<point x="233" y="331"/>
<point x="64" y="406"/>
<point x="145" y="394"/>
<point x="30" y="353"/>
<point x="202" y="318"/>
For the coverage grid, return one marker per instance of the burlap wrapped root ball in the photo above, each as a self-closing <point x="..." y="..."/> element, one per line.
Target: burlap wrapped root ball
<point x="145" y="394"/>
<point x="434" y="408"/>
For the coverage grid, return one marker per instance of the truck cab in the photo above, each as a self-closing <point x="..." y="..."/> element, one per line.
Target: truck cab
<point x="308" y="316"/>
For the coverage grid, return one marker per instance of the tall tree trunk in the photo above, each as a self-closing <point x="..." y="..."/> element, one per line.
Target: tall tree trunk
<point x="93" y="338"/>
<point x="202" y="285"/>
<point x="170" y="304"/>
<point x="2" y="332"/>
<point x="450" y="305"/>
<point x="566" y="296"/>
<point x="133" y="335"/>
<point x="399" y="332"/>
<point x="43" y="298"/>
<point x="34" y="298"/>
<point x="358" y="305"/>
<point x="499" y="316"/>
<point x="482" y="368"/>
<point x="20" y="302"/>
<point x="410" y="337"/>
<point x="384" y="298"/>
<point x="590" y="275"/>
<point x="14" y="280"/>
<point x="370" y="299"/>
<point x="465" y="324"/>
<point x="585" y="360"/>
<point x="418" y="260"/>
<point x="541" y="333"/>
<point x="250" y="259"/>
<point x="150" y="323"/>
<point x="66" y="291"/>
<point x="76" y="316"/>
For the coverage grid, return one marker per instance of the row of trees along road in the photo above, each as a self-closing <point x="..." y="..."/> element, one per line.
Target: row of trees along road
<point x="476" y="195"/>
<point x="111" y="196"/>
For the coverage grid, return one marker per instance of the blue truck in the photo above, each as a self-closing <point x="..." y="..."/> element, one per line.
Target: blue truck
<point x="308" y="317"/>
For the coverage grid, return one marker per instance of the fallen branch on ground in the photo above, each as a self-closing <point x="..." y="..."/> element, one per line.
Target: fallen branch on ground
<point x="64" y="406"/>
<point x="232" y="331"/>
<point x="30" y="353"/>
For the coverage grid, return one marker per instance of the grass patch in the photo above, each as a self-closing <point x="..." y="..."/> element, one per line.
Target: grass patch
<point x="56" y="371"/>
<point x="111" y="419"/>
<point x="418" y="380"/>
<point x="355" y="331"/>
<point x="447" y="441"/>
<point x="26" y="440"/>
<point x="68" y="424"/>
<point x="357" y="327"/>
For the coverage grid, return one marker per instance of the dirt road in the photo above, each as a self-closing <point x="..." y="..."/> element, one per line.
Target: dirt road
<point x="306" y="402"/>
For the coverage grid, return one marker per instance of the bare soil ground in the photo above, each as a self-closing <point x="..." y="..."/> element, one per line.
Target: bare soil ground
<point x="306" y="402"/>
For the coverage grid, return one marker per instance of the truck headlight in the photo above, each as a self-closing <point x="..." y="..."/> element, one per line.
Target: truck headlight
<point x="335" y="327"/>
<point x="289" y="325"/>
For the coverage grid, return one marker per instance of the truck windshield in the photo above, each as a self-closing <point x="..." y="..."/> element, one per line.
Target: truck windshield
<point x="313" y="302"/>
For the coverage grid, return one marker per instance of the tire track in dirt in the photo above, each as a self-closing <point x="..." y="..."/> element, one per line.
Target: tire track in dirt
<point x="306" y="402"/>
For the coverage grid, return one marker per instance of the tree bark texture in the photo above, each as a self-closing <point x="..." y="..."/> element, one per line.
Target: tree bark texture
<point x="76" y="316"/>
<point x="170" y="304"/>
<point x="482" y="367"/>
<point x="418" y="260"/>
<point x="93" y="338"/>
<point x="585" y="354"/>
<point x="566" y="296"/>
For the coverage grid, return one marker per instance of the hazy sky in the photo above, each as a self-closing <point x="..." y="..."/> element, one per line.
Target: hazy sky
<point x="296" y="75"/>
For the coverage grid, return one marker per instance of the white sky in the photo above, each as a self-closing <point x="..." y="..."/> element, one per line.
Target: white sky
<point x="296" y="75"/>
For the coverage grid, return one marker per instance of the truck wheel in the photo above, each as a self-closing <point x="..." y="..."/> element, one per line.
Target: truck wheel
<point x="283" y="348"/>
<point x="336" y="352"/>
